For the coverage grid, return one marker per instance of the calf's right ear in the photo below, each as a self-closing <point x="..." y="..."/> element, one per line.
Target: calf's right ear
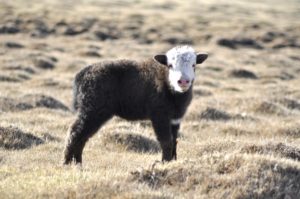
<point x="162" y="59"/>
<point x="201" y="57"/>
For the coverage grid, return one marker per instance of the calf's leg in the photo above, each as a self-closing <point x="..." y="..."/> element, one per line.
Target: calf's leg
<point x="174" y="129"/>
<point x="163" y="133"/>
<point x="85" y="126"/>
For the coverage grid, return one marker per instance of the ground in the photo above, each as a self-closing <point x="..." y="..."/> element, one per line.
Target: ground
<point x="239" y="139"/>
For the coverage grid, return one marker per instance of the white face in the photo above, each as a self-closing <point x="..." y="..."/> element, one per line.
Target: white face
<point x="181" y="62"/>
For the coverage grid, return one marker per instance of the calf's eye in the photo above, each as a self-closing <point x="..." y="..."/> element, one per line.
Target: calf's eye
<point x="170" y="65"/>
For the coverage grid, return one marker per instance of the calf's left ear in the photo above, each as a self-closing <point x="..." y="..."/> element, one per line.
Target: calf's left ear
<point x="201" y="57"/>
<point x="162" y="59"/>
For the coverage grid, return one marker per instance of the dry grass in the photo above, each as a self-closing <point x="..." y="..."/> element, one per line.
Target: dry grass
<point x="239" y="139"/>
<point x="13" y="138"/>
<point x="130" y="142"/>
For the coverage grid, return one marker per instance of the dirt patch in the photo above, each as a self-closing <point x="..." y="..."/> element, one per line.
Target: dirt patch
<point x="13" y="138"/>
<point x="280" y="149"/>
<point x="130" y="142"/>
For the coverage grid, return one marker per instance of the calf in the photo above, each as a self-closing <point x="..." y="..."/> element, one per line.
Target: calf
<point x="159" y="89"/>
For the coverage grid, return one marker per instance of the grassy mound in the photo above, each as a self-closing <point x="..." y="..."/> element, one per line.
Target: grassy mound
<point x="130" y="142"/>
<point x="30" y="101"/>
<point x="14" y="138"/>
<point x="267" y="107"/>
<point x="291" y="131"/>
<point x="276" y="149"/>
<point x="214" y="114"/>
<point x="243" y="73"/>
<point x="217" y="176"/>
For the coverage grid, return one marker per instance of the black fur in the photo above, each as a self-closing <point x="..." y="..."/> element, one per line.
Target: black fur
<point x="128" y="89"/>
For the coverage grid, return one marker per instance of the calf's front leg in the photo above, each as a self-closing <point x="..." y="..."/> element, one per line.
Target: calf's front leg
<point x="175" y="125"/>
<point x="164" y="135"/>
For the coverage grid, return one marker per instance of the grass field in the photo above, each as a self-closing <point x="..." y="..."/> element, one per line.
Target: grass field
<point x="240" y="137"/>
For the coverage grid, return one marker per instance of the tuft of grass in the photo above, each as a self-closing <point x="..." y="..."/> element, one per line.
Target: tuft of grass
<point x="267" y="107"/>
<point x="214" y="114"/>
<point x="291" y="131"/>
<point x="130" y="142"/>
<point x="276" y="149"/>
<point x="14" y="138"/>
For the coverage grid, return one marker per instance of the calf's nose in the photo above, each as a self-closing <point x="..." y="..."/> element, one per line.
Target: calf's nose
<point x="183" y="82"/>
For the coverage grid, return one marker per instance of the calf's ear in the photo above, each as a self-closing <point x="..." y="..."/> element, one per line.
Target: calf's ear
<point x="162" y="59"/>
<point x="201" y="57"/>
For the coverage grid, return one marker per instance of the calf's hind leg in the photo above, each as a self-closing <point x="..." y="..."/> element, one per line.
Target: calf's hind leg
<point x="85" y="126"/>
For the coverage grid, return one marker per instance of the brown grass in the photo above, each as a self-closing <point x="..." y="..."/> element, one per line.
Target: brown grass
<point x="14" y="138"/>
<point x="131" y="142"/>
<point x="239" y="139"/>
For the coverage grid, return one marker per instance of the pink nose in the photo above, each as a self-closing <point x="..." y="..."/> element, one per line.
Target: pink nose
<point x="183" y="82"/>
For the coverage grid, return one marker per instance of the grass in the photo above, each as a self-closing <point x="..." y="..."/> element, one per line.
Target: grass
<point x="239" y="139"/>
